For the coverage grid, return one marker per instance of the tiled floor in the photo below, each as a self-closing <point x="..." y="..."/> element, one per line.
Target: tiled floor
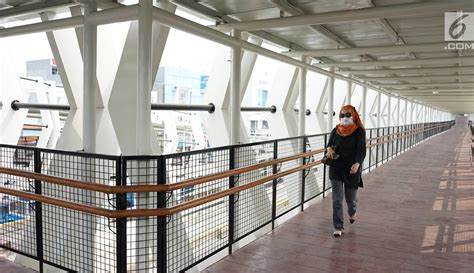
<point x="416" y="214"/>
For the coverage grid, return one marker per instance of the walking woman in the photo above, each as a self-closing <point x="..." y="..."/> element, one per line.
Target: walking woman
<point x="347" y="141"/>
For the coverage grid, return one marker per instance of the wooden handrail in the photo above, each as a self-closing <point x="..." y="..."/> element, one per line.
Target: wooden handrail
<point x="142" y="188"/>
<point x="150" y="188"/>
<point x="151" y="212"/>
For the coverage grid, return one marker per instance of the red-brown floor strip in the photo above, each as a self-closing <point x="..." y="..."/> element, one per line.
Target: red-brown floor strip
<point x="416" y="214"/>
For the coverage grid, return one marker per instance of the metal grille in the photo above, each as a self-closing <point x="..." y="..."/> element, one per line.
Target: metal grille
<point x="289" y="187"/>
<point x="314" y="180"/>
<point x="196" y="233"/>
<point x="253" y="207"/>
<point x="18" y="219"/>
<point x="141" y="232"/>
<point x="72" y="239"/>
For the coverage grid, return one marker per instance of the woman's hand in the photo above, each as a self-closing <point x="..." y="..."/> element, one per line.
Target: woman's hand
<point x="355" y="168"/>
<point x="330" y="152"/>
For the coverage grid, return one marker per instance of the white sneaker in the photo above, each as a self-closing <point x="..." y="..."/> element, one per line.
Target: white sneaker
<point x="337" y="233"/>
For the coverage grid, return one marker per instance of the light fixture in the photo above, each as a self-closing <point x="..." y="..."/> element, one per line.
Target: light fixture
<point x="435" y="92"/>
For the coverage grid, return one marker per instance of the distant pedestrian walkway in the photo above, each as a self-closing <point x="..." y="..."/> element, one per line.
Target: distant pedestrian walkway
<point x="416" y="214"/>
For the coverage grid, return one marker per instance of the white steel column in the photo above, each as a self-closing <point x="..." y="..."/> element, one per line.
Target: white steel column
<point x="235" y="91"/>
<point x="349" y="93"/>
<point x="90" y="80"/>
<point x="389" y="111"/>
<point x="379" y="109"/>
<point x="302" y="112"/>
<point x="144" y="76"/>
<point x="142" y="127"/>
<point x="406" y="112"/>
<point x="363" y="109"/>
<point x="330" y="102"/>
<point x="398" y="111"/>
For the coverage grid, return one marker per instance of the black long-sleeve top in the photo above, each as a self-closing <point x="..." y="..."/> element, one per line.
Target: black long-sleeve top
<point x="351" y="149"/>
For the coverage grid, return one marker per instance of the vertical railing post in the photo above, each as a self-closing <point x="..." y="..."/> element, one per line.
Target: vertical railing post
<point x="162" y="225"/>
<point x="324" y="168"/>
<point x="370" y="149"/>
<point x="377" y="149"/>
<point x="231" y="200"/>
<point x="274" y="183"/>
<point x="38" y="211"/>
<point x="383" y="144"/>
<point x="398" y="140"/>
<point x="121" y="223"/>
<point x="303" y="172"/>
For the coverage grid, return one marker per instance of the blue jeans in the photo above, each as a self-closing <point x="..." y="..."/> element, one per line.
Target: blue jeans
<point x="338" y="192"/>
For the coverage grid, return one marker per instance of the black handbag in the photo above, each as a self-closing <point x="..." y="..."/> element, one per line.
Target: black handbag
<point x="327" y="161"/>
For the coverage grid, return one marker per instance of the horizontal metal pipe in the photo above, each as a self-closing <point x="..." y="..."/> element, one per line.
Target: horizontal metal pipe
<point x="16" y="105"/>
<point x="272" y="109"/>
<point x="307" y="112"/>
<point x="184" y="107"/>
<point x="389" y="11"/>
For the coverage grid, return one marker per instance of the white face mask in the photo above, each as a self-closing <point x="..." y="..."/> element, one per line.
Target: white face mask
<point x="347" y="121"/>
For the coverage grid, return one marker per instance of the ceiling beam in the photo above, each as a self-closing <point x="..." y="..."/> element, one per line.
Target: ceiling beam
<point x="460" y="90"/>
<point x="435" y="61"/>
<point x="405" y="71"/>
<point x="35" y="8"/>
<point x="425" y="78"/>
<point x="391" y="11"/>
<point x="428" y="47"/>
<point x="455" y="84"/>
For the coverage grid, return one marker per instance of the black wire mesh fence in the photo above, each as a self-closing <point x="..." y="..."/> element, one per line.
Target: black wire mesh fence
<point x="81" y="242"/>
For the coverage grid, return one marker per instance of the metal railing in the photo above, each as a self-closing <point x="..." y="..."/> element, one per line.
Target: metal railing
<point x="97" y="213"/>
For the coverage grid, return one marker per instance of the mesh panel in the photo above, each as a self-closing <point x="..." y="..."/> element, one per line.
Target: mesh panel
<point x="17" y="218"/>
<point x="315" y="175"/>
<point x="196" y="233"/>
<point x="142" y="232"/>
<point x="253" y="207"/>
<point x="72" y="239"/>
<point x="289" y="187"/>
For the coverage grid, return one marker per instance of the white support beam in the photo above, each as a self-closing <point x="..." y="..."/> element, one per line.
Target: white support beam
<point x="409" y="71"/>
<point x="302" y="96"/>
<point x="427" y="61"/>
<point x="330" y="103"/>
<point x="389" y="111"/>
<point x="144" y="76"/>
<point x="419" y="78"/>
<point x="115" y="15"/>
<point x="349" y="93"/>
<point x="363" y="110"/>
<point x="379" y="109"/>
<point x="431" y="90"/>
<point x="428" y="47"/>
<point x="430" y="85"/>
<point x="235" y="91"/>
<point x="391" y="11"/>
<point x="90" y="80"/>
<point x="398" y="111"/>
